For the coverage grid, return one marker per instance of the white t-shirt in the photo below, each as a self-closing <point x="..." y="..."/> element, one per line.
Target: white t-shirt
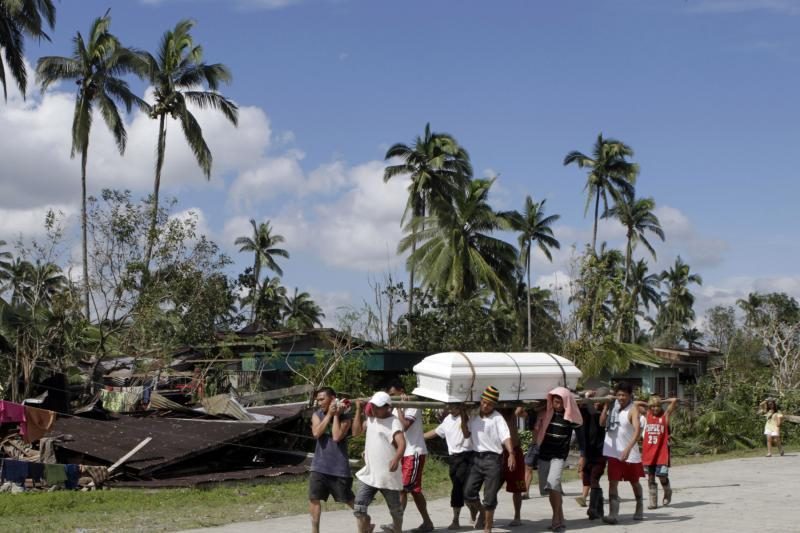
<point x="415" y="437"/>
<point x="450" y="431"/>
<point x="379" y="451"/>
<point x="489" y="433"/>
<point x="619" y="434"/>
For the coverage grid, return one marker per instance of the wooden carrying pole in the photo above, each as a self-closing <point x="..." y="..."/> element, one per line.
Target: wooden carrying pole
<point x="422" y="403"/>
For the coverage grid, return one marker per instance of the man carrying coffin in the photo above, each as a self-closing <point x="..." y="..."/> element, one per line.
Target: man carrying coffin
<point x="490" y="435"/>
<point x="455" y="431"/>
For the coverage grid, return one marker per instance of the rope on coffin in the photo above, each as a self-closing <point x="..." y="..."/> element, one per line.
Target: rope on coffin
<point x="519" y="374"/>
<point x="472" y="382"/>
<point x="563" y="372"/>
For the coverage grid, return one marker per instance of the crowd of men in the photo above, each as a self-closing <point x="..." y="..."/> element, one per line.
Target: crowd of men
<point x="485" y="453"/>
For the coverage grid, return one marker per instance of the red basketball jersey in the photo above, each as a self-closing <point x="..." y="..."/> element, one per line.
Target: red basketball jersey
<point x="655" y="450"/>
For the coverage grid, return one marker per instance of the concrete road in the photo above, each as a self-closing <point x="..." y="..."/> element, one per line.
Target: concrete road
<point x="734" y="495"/>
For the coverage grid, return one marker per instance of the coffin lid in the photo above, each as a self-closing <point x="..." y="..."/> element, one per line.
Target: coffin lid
<point x="461" y="376"/>
<point x="456" y="364"/>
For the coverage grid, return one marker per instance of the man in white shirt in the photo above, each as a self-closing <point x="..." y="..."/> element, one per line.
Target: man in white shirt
<point x="454" y="429"/>
<point x="383" y="453"/>
<point x="413" y="458"/>
<point x="490" y="436"/>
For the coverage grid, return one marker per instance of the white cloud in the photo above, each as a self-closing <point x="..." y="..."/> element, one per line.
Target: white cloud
<point x="682" y="238"/>
<point x="268" y="180"/>
<point x="38" y="171"/>
<point x="331" y="302"/>
<point x="29" y="222"/>
<point x="728" y="291"/>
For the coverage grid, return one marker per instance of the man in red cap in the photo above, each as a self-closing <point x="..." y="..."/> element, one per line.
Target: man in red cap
<point x="383" y="453"/>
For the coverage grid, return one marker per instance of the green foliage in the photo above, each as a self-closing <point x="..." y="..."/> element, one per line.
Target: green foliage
<point x="466" y="326"/>
<point x="454" y="249"/>
<point x="610" y="174"/>
<point x="594" y="356"/>
<point x="178" y="76"/>
<point x="347" y="375"/>
<point x="20" y="19"/>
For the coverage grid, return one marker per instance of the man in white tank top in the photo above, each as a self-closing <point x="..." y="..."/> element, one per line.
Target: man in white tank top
<point x="621" y="448"/>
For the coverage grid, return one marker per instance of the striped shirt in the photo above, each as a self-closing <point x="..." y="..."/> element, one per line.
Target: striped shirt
<point x="556" y="439"/>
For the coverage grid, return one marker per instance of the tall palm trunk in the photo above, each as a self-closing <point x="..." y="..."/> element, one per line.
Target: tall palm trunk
<point x="151" y="235"/>
<point x="256" y="276"/>
<point x="84" y="223"/>
<point x="631" y="304"/>
<point x="410" y="292"/>
<point x="596" y="213"/>
<point x="529" y="299"/>
<point x="418" y="210"/>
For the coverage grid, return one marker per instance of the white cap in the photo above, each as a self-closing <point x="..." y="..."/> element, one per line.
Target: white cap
<point x="379" y="399"/>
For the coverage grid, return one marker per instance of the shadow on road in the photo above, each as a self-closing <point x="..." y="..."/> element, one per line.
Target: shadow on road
<point x="707" y="487"/>
<point x="686" y="505"/>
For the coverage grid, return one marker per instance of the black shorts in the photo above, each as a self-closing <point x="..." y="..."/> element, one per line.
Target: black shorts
<point x="320" y="486"/>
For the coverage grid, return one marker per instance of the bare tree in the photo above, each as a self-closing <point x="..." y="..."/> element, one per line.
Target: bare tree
<point x="782" y="341"/>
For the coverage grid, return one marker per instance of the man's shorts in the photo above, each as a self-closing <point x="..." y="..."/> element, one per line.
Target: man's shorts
<point x="619" y="471"/>
<point x="366" y="494"/>
<point x="413" y="466"/>
<point x="593" y="468"/>
<point x="515" y="479"/>
<point x="486" y="470"/>
<point x="550" y="475"/>
<point x="320" y="486"/>
<point x="532" y="456"/>
<point x="658" y="470"/>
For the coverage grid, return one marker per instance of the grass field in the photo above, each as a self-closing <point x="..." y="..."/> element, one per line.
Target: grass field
<point x="174" y="509"/>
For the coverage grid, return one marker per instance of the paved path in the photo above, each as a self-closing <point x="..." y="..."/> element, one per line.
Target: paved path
<point x="735" y="495"/>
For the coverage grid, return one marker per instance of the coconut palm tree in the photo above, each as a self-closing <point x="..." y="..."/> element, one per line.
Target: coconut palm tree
<point x="19" y="18"/>
<point x="96" y="65"/>
<point x="269" y="303"/>
<point x="643" y="289"/>
<point x="263" y="245"/>
<point x="438" y="168"/>
<point x="678" y="301"/>
<point x="692" y="336"/>
<point x="534" y="227"/>
<point x="19" y="281"/>
<point x="301" y="312"/>
<point x="636" y="215"/>
<point x="456" y="254"/>
<point x="610" y="174"/>
<point x="751" y="306"/>
<point x="5" y="266"/>
<point x="176" y="75"/>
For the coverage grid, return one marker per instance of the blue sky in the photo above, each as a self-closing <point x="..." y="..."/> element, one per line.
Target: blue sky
<point x="705" y="91"/>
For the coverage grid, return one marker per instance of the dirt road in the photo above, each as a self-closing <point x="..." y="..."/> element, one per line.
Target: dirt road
<point x="734" y="495"/>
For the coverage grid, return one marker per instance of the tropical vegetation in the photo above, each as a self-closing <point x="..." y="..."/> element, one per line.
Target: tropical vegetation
<point x="151" y="282"/>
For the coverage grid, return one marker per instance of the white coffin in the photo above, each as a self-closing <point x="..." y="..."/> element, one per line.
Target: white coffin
<point x="448" y="377"/>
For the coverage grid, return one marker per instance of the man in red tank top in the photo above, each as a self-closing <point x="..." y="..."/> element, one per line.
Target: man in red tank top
<point x="655" y="448"/>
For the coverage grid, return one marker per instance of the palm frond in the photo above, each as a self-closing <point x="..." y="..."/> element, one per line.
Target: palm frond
<point x="194" y="137"/>
<point x="213" y="100"/>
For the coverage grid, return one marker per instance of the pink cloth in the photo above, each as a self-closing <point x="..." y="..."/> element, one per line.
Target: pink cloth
<point x="11" y="412"/>
<point x="571" y="411"/>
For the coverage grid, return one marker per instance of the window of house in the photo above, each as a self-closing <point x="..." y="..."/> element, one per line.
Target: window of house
<point x="672" y="387"/>
<point x="660" y="386"/>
